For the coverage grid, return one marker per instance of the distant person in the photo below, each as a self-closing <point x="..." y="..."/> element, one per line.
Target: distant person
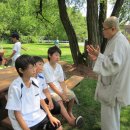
<point x="16" y="49"/>
<point x="1" y="55"/>
<point x="56" y="42"/>
<point x="1" y="59"/>
<point x="113" y="68"/>
<point x="60" y="93"/>
<point x="24" y="100"/>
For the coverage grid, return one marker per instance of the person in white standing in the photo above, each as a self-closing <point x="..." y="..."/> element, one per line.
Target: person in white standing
<point x="113" y="86"/>
<point x="16" y="48"/>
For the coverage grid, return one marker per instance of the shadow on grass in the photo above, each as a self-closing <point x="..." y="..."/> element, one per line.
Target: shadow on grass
<point x="65" y="46"/>
<point x="9" y="48"/>
<point x="51" y="44"/>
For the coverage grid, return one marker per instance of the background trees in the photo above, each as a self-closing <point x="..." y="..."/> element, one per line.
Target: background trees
<point x="24" y="16"/>
<point x="96" y="13"/>
<point x="63" y="19"/>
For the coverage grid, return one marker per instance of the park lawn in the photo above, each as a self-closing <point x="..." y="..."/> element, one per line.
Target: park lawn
<point x="88" y="108"/>
<point x="41" y="50"/>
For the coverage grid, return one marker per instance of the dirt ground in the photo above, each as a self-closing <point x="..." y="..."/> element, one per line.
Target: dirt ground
<point x="80" y="70"/>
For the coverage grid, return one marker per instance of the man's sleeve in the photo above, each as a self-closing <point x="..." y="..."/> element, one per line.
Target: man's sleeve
<point x="111" y="64"/>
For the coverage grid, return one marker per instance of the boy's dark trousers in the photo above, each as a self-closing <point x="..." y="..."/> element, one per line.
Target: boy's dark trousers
<point x="56" y="109"/>
<point x="44" y="125"/>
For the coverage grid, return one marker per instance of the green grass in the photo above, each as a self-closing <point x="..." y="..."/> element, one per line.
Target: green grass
<point x="41" y="50"/>
<point x="88" y="108"/>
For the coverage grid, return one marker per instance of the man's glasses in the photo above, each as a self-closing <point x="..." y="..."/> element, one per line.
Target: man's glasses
<point x="105" y="29"/>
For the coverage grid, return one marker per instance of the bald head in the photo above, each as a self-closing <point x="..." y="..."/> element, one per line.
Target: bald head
<point x="110" y="27"/>
<point x="112" y="22"/>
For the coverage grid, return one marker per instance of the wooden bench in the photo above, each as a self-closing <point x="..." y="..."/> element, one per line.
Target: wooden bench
<point x="73" y="81"/>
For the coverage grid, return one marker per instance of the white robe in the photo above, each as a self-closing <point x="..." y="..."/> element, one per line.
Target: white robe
<point x="113" y="68"/>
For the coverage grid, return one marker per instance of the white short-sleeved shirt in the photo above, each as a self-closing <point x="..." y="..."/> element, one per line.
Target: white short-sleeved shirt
<point x="17" y="48"/>
<point x="42" y="84"/>
<point x="27" y="101"/>
<point x="54" y="76"/>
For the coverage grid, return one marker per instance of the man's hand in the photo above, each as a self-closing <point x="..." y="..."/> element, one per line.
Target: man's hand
<point x="54" y="121"/>
<point x="93" y="52"/>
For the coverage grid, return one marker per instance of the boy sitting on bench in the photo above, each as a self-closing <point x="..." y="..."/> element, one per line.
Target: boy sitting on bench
<point x="60" y="93"/>
<point x="24" y="100"/>
<point x="53" y="106"/>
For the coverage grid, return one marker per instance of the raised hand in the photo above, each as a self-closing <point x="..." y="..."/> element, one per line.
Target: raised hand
<point x="93" y="52"/>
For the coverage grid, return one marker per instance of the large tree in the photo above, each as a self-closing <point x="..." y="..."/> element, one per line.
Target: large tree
<point x="117" y="8"/>
<point x="92" y="15"/>
<point x="102" y="16"/>
<point x="92" y="21"/>
<point x="20" y="17"/>
<point x="95" y="17"/>
<point x="76" y="54"/>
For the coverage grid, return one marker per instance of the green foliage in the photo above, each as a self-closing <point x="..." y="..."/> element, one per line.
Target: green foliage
<point x="124" y="13"/>
<point x="29" y="39"/>
<point x="77" y="4"/>
<point x="21" y="16"/>
<point x="80" y="26"/>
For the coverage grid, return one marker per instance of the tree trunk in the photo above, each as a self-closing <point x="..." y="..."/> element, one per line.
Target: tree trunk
<point x="76" y="55"/>
<point x="92" y="22"/>
<point x="117" y="8"/>
<point x="102" y="17"/>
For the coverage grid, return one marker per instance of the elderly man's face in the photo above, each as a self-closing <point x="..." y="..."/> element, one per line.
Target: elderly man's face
<point x="108" y="32"/>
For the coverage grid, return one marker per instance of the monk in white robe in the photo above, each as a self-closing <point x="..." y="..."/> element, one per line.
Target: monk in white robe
<point x="113" y="68"/>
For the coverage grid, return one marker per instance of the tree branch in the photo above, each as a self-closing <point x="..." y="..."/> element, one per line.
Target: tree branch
<point x="117" y="8"/>
<point x="39" y="12"/>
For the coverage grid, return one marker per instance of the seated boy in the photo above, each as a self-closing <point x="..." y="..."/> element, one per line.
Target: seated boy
<point x="54" y="107"/>
<point x="24" y="100"/>
<point x="55" y="78"/>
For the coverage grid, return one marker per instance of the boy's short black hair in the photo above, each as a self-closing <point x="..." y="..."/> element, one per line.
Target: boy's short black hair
<point x="52" y="50"/>
<point x="23" y="62"/>
<point x="38" y="59"/>
<point x="15" y="35"/>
